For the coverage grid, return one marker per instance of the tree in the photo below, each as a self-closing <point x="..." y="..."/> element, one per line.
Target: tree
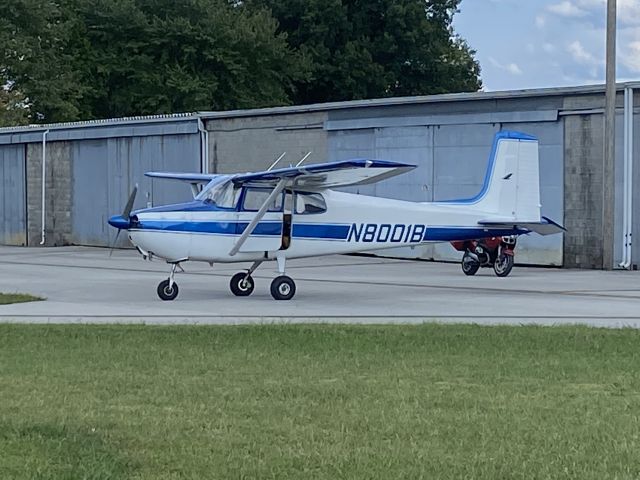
<point x="375" y="48"/>
<point x="13" y="108"/>
<point x="63" y="60"/>
<point x="153" y="56"/>
<point x="84" y="59"/>
<point x="34" y="60"/>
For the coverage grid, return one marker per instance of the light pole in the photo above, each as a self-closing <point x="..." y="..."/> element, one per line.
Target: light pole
<point x="608" y="178"/>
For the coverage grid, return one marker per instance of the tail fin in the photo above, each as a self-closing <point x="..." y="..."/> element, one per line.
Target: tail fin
<point x="511" y="189"/>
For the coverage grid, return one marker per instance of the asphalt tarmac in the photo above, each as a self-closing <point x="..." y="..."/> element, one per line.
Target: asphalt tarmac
<point x="85" y="285"/>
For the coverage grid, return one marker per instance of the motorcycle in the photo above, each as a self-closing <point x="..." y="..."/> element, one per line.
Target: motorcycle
<point x="495" y="252"/>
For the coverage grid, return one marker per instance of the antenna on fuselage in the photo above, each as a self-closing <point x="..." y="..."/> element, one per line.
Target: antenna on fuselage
<point x="276" y="162"/>
<point x="303" y="159"/>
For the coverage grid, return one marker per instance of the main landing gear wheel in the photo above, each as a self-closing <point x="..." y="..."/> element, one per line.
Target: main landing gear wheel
<point x="283" y="288"/>
<point x="241" y="286"/>
<point x="469" y="265"/>
<point x="503" y="265"/>
<point x="167" y="293"/>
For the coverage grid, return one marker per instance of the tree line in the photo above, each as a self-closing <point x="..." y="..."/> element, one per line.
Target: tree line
<point x="66" y="60"/>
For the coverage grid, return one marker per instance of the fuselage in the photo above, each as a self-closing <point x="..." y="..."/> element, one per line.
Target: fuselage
<point x="344" y="223"/>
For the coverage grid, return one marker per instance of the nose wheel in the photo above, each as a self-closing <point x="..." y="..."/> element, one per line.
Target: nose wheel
<point x="166" y="291"/>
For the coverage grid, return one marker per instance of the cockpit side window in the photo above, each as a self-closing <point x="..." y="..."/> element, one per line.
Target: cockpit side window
<point x="308" y="203"/>
<point x="254" y="198"/>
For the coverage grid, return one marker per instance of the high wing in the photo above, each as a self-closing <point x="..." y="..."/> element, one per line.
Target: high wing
<point x="545" y="226"/>
<point x="320" y="176"/>
<point x="185" y="177"/>
<point x="195" y="179"/>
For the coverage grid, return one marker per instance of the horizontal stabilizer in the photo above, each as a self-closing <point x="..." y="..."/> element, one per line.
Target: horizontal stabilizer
<point x="545" y="226"/>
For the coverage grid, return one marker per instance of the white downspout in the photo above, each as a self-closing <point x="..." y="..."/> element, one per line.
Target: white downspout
<point x="625" y="177"/>
<point x="627" y="203"/>
<point x="44" y="181"/>
<point x="204" y="147"/>
<point x="630" y="181"/>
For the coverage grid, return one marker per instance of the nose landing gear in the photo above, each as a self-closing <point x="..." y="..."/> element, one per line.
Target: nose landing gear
<point x="168" y="289"/>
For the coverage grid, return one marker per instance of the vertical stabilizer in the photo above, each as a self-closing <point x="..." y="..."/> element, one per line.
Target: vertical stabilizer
<point x="511" y="188"/>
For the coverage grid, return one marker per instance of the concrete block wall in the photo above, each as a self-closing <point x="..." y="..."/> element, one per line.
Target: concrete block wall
<point x="583" y="150"/>
<point x="58" y="193"/>
<point x="253" y="143"/>
<point x="583" y="182"/>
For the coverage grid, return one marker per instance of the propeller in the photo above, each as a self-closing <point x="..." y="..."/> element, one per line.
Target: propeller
<point x="125" y="215"/>
<point x="129" y="205"/>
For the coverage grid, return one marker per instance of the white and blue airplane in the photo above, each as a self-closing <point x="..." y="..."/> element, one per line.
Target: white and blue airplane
<point x="287" y="213"/>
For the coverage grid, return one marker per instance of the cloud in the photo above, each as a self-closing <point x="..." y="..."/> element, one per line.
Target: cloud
<point x="512" y="68"/>
<point x="629" y="12"/>
<point x="631" y="57"/>
<point x="567" y="9"/>
<point x="580" y="54"/>
<point x="548" y="47"/>
<point x="541" y="21"/>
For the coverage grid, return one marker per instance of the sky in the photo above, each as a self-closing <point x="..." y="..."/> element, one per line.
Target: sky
<point x="547" y="43"/>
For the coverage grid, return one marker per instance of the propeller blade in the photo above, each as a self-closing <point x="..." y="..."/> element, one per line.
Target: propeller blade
<point x="113" y="245"/>
<point x="125" y="215"/>
<point x="129" y="205"/>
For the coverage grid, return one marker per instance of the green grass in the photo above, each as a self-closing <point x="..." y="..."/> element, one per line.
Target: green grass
<point x="329" y="402"/>
<point x="6" y="298"/>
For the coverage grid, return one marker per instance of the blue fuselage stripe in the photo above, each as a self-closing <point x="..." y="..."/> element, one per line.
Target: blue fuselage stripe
<point x="319" y="231"/>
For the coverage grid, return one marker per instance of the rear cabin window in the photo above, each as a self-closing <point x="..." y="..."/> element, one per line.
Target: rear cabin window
<point x="254" y="199"/>
<point x="308" y="203"/>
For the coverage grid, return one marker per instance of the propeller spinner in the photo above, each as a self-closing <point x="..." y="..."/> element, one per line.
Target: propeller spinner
<point x="123" y="222"/>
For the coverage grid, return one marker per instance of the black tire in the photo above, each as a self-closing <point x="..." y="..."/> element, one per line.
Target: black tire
<point x="240" y="286"/>
<point x="166" y="293"/>
<point x="469" y="265"/>
<point x="503" y="265"/>
<point x="283" y="288"/>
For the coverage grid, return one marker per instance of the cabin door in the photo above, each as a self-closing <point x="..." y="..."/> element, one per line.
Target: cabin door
<point x="273" y="232"/>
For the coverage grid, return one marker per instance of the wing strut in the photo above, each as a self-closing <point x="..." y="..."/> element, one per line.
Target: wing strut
<point x="263" y="209"/>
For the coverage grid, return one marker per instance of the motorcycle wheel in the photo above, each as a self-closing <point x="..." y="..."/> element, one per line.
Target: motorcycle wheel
<point x="469" y="265"/>
<point x="503" y="265"/>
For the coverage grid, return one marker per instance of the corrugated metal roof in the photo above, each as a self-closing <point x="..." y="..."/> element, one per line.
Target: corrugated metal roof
<point x="319" y="107"/>
<point x="422" y="99"/>
<point x="107" y="122"/>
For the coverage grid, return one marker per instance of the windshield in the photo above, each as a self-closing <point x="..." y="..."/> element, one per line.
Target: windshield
<point x="221" y="192"/>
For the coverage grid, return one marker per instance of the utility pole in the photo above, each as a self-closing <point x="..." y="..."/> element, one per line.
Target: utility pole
<point x="608" y="178"/>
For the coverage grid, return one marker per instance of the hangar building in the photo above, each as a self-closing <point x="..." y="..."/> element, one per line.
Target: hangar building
<point x="90" y="167"/>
